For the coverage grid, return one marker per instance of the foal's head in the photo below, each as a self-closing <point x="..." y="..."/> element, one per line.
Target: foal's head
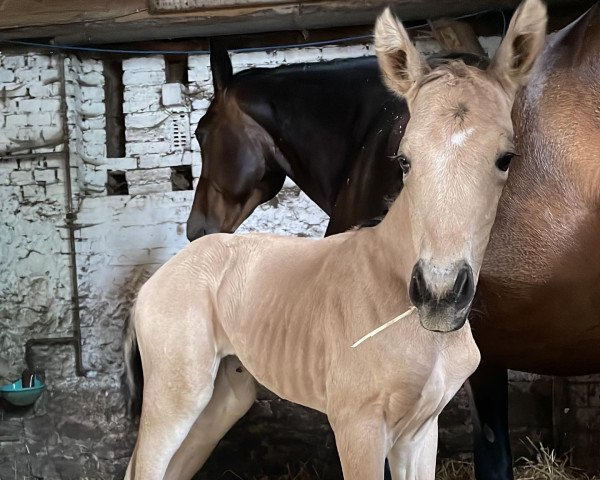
<point x="455" y="156"/>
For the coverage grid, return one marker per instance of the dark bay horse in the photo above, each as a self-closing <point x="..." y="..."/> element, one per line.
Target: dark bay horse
<point x="538" y="302"/>
<point x="311" y="122"/>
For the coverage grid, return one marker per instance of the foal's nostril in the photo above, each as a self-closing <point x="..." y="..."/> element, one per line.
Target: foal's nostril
<point x="418" y="288"/>
<point x="464" y="287"/>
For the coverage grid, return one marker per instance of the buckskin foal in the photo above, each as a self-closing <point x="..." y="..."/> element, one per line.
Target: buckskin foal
<point x="289" y="308"/>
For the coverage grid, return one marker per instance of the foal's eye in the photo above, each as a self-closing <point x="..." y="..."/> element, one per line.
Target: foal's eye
<point x="404" y="163"/>
<point x="503" y="162"/>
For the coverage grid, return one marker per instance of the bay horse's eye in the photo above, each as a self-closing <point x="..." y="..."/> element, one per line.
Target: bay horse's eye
<point x="404" y="163"/>
<point x="503" y="162"/>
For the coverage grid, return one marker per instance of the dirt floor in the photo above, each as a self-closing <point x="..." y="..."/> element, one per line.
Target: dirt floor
<point x="543" y="464"/>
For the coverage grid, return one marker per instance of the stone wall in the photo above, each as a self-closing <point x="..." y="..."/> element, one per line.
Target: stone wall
<point x="78" y="429"/>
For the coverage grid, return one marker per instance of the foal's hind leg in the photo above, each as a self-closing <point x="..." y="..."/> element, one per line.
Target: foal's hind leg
<point x="178" y="386"/>
<point x="234" y="394"/>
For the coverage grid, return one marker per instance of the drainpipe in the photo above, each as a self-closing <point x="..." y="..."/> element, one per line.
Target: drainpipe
<point x="70" y="218"/>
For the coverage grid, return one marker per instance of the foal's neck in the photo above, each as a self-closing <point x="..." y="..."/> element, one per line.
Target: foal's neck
<point x="394" y="239"/>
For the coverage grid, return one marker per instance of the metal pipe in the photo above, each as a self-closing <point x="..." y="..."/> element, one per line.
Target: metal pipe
<point x="23" y="156"/>
<point x="70" y="217"/>
<point x="79" y="370"/>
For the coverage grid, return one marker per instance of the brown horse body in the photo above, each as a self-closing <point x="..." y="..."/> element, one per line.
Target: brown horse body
<point x="540" y="282"/>
<point x="537" y="307"/>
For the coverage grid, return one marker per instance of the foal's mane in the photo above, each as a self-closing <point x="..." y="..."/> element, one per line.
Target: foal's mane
<point x="458" y="65"/>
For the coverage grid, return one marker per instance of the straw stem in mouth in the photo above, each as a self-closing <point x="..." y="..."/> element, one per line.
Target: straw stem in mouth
<point x="372" y="333"/>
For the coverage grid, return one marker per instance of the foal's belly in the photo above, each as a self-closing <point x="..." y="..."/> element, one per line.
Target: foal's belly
<point x="283" y="360"/>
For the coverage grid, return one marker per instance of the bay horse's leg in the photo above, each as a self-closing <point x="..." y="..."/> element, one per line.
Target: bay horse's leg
<point x="361" y="444"/>
<point x="488" y="388"/>
<point x="234" y="394"/>
<point x="415" y="460"/>
<point x="176" y="390"/>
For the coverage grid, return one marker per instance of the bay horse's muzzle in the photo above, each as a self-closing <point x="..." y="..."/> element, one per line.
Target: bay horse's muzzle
<point x="198" y="225"/>
<point x="446" y="310"/>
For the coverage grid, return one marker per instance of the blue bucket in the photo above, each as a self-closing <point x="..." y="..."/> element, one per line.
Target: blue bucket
<point x="17" y="395"/>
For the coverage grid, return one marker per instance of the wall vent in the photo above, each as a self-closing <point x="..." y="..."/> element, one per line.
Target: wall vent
<point x="179" y="132"/>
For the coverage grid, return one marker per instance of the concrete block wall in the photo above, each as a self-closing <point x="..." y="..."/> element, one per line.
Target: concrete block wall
<point x="29" y="104"/>
<point x="86" y="123"/>
<point x="34" y="262"/>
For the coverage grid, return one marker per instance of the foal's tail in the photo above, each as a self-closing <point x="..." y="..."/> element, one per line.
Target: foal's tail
<point x="134" y="376"/>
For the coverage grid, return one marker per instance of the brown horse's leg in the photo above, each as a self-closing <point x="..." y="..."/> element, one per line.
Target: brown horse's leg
<point x="234" y="394"/>
<point x="362" y="445"/>
<point x="489" y="412"/>
<point x="415" y="460"/>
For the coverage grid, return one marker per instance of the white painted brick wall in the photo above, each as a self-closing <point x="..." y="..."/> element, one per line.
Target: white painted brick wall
<point x="91" y="78"/>
<point x="6" y="75"/>
<point x="45" y="175"/>
<point x="32" y="101"/>
<point x="34" y="272"/>
<point x="144" y="78"/>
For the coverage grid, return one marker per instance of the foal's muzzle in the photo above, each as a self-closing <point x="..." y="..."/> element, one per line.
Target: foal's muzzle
<point x="443" y="306"/>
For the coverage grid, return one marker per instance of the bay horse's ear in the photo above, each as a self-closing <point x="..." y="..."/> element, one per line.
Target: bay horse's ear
<point x="220" y="66"/>
<point x="520" y="48"/>
<point x="400" y="62"/>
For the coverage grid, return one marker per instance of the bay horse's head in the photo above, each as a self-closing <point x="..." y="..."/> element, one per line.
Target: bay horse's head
<point x="237" y="174"/>
<point x="455" y="156"/>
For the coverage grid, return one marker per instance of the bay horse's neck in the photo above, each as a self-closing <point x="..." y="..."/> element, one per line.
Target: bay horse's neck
<point x="318" y="118"/>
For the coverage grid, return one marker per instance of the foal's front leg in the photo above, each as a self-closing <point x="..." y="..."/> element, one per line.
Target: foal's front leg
<point x="415" y="459"/>
<point x="361" y="444"/>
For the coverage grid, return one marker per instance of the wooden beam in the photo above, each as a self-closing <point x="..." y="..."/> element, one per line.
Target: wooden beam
<point x="455" y="36"/>
<point x="29" y="13"/>
<point x="112" y="21"/>
<point x="170" y="6"/>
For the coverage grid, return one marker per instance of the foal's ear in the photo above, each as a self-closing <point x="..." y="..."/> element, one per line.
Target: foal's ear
<point x="220" y="66"/>
<point x="399" y="61"/>
<point x="520" y="48"/>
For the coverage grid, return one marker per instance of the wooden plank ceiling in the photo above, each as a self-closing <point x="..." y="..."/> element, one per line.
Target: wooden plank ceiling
<point x="78" y="22"/>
